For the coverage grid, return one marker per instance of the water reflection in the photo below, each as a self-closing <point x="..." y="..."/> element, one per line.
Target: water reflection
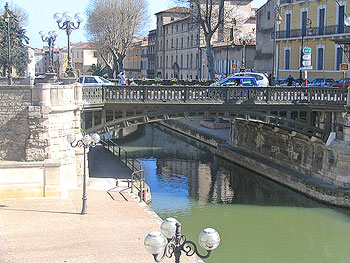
<point x="259" y="220"/>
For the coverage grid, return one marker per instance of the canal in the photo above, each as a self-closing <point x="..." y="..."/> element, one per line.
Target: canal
<point x="259" y="221"/>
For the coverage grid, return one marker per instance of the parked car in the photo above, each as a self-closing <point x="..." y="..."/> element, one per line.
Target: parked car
<point x="339" y="83"/>
<point x="236" y="81"/>
<point x="321" y="82"/>
<point x="261" y="78"/>
<point x="94" y="81"/>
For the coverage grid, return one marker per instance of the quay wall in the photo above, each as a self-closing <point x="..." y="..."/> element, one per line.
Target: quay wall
<point x="285" y="160"/>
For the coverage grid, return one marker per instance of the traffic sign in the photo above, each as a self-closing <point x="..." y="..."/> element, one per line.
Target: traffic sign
<point x="307" y="57"/>
<point x="234" y="66"/>
<point x="344" y="66"/>
<point x="307" y="50"/>
<point x="306" y="68"/>
<point x="307" y="63"/>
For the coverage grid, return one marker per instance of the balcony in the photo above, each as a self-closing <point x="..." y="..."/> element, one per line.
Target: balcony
<point x="282" y="2"/>
<point x="312" y="32"/>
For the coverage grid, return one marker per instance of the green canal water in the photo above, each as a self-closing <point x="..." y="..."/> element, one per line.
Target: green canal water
<point x="259" y="221"/>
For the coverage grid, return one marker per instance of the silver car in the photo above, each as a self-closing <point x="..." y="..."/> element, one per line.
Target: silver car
<point x="94" y="81"/>
<point x="261" y="78"/>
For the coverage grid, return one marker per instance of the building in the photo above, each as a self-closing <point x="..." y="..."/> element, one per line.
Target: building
<point x="83" y="57"/>
<point x="152" y="38"/>
<point x="132" y="60"/>
<point x="144" y="65"/>
<point x="42" y="60"/>
<point x="180" y="47"/>
<point x="264" y="42"/>
<point x="315" y="24"/>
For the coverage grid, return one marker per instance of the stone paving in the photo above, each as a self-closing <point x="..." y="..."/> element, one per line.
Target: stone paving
<point x="52" y="230"/>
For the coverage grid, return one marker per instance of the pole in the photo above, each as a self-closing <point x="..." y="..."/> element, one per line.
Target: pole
<point x="343" y="79"/>
<point x="273" y="78"/>
<point x="227" y="67"/>
<point x="83" y="209"/>
<point x="243" y="57"/>
<point x="301" y="59"/>
<point x="9" y="76"/>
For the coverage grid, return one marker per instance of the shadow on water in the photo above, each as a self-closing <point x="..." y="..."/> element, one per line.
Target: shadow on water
<point x="180" y="164"/>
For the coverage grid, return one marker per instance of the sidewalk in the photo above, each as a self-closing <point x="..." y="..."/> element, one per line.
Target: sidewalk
<point x="52" y="230"/>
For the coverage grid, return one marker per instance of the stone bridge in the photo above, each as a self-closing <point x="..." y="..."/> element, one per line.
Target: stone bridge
<point x="309" y="111"/>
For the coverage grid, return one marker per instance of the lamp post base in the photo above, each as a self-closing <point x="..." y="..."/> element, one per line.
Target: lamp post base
<point x="70" y="72"/>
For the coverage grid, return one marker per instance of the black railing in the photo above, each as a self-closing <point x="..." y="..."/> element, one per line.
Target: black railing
<point x="137" y="178"/>
<point x="312" y="31"/>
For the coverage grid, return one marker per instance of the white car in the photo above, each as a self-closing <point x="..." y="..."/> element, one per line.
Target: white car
<point x="261" y="78"/>
<point x="94" y="81"/>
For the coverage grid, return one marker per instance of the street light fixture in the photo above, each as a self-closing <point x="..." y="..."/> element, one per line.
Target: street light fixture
<point x="245" y="40"/>
<point x="7" y="18"/>
<point x="84" y="142"/>
<point x="277" y="20"/>
<point x="68" y="25"/>
<point x="171" y="242"/>
<point x="50" y="38"/>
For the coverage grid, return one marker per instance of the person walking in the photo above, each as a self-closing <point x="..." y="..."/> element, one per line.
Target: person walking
<point x="290" y="80"/>
<point x="122" y="78"/>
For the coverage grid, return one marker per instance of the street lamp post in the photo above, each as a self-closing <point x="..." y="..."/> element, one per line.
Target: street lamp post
<point x="277" y="20"/>
<point x="84" y="142"/>
<point x="171" y="242"/>
<point x="7" y="17"/>
<point x="50" y="38"/>
<point x="303" y="33"/>
<point x="68" y="25"/>
<point x="245" y="40"/>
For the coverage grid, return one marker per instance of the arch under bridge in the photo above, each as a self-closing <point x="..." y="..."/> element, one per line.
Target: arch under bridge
<point x="310" y="111"/>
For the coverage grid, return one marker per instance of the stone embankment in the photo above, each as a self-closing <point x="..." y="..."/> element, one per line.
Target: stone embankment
<point x="300" y="163"/>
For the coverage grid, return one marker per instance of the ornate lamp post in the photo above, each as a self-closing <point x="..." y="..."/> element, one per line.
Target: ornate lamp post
<point x="85" y="142"/>
<point x="7" y="17"/>
<point x="304" y="31"/>
<point x="277" y="20"/>
<point x="245" y="40"/>
<point x="68" y="25"/>
<point x="171" y="242"/>
<point x="50" y="38"/>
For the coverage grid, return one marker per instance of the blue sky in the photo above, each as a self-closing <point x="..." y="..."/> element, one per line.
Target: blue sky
<point x="40" y="16"/>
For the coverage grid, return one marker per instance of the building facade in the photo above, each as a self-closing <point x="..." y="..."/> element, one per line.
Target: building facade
<point x="152" y="54"/>
<point x="180" y="46"/>
<point x="313" y="24"/>
<point x="132" y="60"/>
<point x="83" y="57"/>
<point x="264" y="42"/>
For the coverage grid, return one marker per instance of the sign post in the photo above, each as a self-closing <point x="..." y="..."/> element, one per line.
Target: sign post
<point x="306" y="61"/>
<point x="344" y="67"/>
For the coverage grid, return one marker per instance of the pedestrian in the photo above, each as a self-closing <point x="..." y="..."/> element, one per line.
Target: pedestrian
<point x="122" y="78"/>
<point x="290" y="80"/>
<point x="270" y="78"/>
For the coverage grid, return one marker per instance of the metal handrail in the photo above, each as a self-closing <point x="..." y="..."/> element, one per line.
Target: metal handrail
<point x="134" y="165"/>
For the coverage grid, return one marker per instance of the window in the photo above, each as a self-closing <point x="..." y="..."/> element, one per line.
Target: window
<point x="191" y="63"/>
<point x="339" y="57"/>
<point x="95" y="54"/>
<point x="188" y="60"/>
<point x="321" y="20"/>
<point x="182" y="42"/>
<point x="182" y="61"/>
<point x="268" y="15"/>
<point x="287" y="59"/>
<point x="341" y="17"/>
<point x="90" y="80"/>
<point x="320" y="58"/>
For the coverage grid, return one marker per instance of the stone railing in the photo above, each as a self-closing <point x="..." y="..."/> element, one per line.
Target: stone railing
<point x="212" y="95"/>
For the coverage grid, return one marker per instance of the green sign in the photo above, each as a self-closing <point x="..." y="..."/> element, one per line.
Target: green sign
<point x="307" y="50"/>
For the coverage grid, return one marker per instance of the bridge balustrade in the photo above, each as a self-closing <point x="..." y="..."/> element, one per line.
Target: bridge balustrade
<point x="203" y="95"/>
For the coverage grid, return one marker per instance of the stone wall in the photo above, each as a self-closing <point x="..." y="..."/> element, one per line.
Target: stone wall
<point x="296" y="152"/>
<point x="14" y="126"/>
<point x="34" y="124"/>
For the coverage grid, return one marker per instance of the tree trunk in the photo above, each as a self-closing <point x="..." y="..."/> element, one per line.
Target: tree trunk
<point x="210" y="61"/>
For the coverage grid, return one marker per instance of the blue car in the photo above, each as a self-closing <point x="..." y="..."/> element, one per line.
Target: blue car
<point x="236" y="82"/>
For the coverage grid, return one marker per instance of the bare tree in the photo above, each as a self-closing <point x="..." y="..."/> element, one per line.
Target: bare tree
<point x="112" y="25"/>
<point x="214" y="17"/>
